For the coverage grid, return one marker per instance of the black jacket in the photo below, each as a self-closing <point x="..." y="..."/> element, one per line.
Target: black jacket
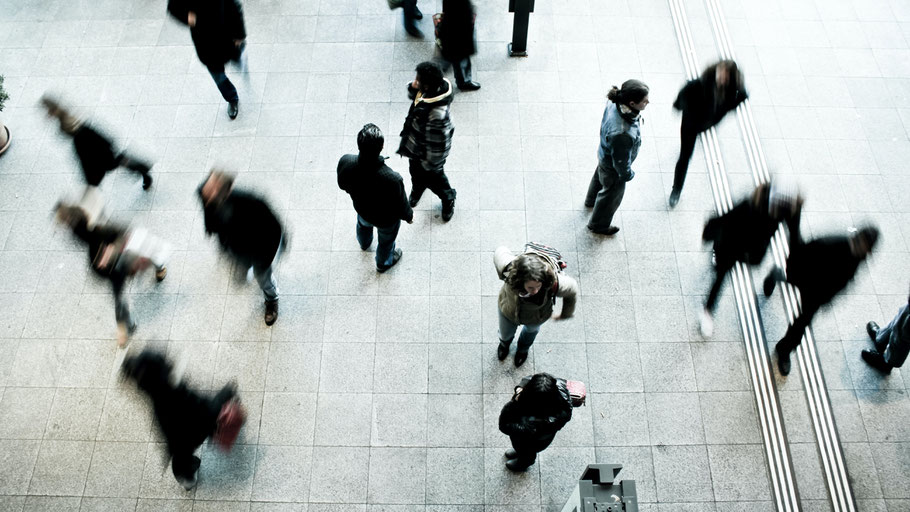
<point x="456" y="31"/>
<point x="377" y="191"/>
<point x="218" y="24"/>
<point x="96" y="154"/>
<point x="821" y="268"/>
<point x="744" y="233"/>
<point x="700" y="105"/>
<point x="529" y="422"/>
<point x="96" y="239"/>
<point x="246" y="228"/>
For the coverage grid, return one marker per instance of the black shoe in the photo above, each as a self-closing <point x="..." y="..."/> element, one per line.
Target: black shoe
<point x="783" y="360"/>
<point x="469" y="86"/>
<point x="417" y="14"/>
<point x="414" y="197"/>
<point x="610" y="231"/>
<point x="413" y="31"/>
<point x="502" y="351"/>
<point x="233" y="109"/>
<point x="872" y="330"/>
<point x="589" y="204"/>
<point x="520" y="358"/>
<point x="674" y="198"/>
<point x="511" y="454"/>
<point x="875" y="360"/>
<point x="146" y="182"/>
<point x="771" y="280"/>
<point x="271" y="311"/>
<point x="513" y="465"/>
<point x="448" y="210"/>
<point x="396" y="256"/>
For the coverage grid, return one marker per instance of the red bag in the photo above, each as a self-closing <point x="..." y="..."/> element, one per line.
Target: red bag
<point x="230" y="420"/>
<point x="577" y="392"/>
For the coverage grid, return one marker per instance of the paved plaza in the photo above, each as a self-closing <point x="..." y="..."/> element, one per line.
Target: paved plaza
<point x="382" y="392"/>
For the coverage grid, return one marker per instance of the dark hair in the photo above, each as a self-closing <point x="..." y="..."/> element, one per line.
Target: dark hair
<point x="542" y="394"/>
<point x="711" y="71"/>
<point x="869" y="236"/>
<point x="430" y="76"/>
<point x="370" y="140"/>
<point x="633" y="91"/>
<point x="530" y="267"/>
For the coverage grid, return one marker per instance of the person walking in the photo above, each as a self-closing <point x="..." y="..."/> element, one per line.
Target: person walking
<point x="703" y="103"/>
<point x="219" y="36"/>
<point x="411" y="16"/>
<point x="378" y="195"/>
<point x="744" y="234"/>
<point x="620" y="138"/>
<point x="892" y="343"/>
<point x="820" y="269"/>
<point x="426" y="137"/>
<point x="532" y="281"/>
<point x="532" y="418"/>
<point x="457" y="42"/>
<point x="116" y="254"/>
<point x="248" y="231"/>
<point x="95" y="150"/>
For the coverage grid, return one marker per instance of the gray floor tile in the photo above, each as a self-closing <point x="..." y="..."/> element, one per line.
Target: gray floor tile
<point x="667" y="367"/>
<point x="347" y="367"/>
<point x="503" y="487"/>
<point x="682" y="474"/>
<point x="343" y="419"/>
<point x="282" y="473"/>
<point x="24" y="412"/>
<point x="75" y="414"/>
<point x="399" y="420"/>
<point x="61" y="468"/>
<point x="17" y="460"/>
<point x="455" y="368"/>
<point x="609" y="430"/>
<point x="397" y="475"/>
<point x="738" y="472"/>
<point x="338" y="474"/>
<point x="455" y="420"/>
<point x="675" y="418"/>
<point x="288" y="417"/>
<point x="455" y="472"/>
<point x="116" y="469"/>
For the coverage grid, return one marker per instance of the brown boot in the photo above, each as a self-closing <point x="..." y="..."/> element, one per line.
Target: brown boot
<point x="271" y="311"/>
<point x="161" y="273"/>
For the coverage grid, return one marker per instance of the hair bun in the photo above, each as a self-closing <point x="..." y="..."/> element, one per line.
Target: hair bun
<point x="614" y="94"/>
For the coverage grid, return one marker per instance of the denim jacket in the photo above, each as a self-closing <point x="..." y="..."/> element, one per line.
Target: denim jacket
<point x="619" y="142"/>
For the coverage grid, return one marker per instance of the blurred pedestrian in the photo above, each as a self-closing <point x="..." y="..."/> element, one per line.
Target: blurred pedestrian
<point x="411" y="16"/>
<point x="532" y="418"/>
<point x="532" y="281"/>
<point x="820" y="269"/>
<point x="185" y="417"/>
<point x="116" y="254"/>
<point x="426" y="137"/>
<point x="219" y="36"/>
<point x="378" y="194"/>
<point x="457" y="42"/>
<point x="892" y="343"/>
<point x="703" y="103"/>
<point x="620" y="138"/>
<point x="744" y="234"/>
<point x="95" y="150"/>
<point x="248" y="231"/>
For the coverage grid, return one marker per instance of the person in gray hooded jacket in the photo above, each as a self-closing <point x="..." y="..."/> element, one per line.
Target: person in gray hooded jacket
<point x="620" y="138"/>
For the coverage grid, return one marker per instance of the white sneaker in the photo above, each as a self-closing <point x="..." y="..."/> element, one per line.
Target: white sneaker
<point x="706" y="324"/>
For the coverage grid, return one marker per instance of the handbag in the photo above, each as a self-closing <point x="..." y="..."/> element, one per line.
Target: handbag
<point x="437" y="21"/>
<point x="230" y="420"/>
<point x="577" y="392"/>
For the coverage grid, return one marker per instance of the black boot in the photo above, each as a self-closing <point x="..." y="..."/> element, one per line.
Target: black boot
<point x="414" y="197"/>
<point x="674" y="198"/>
<point x="502" y="351"/>
<point x="783" y="360"/>
<point x="872" y="330"/>
<point x="448" y="210"/>
<point x="771" y="280"/>
<point x="271" y="311"/>
<point x="875" y="360"/>
<point x="520" y="358"/>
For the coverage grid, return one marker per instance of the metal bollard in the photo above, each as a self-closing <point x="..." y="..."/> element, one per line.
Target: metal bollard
<point x="522" y="9"/>
<point x="596" y="492"/>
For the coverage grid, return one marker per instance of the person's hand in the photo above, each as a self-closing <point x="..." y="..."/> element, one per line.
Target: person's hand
<point x="415" y="84"/>
<point x="238" y="42"/>
<point x="191" y="19"/>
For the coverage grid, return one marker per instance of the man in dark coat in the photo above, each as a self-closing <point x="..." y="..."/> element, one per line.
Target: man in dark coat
<point x="744" y="234"/>
<point x="219" y="35"/>
<point x="95" y="150"/>
<point x="378" y="194"/>
<point x="247" y="229"/>
<point x="820" y="269"/>
<point x="892" y="343"/>
<point x="426" y="137"/>
<point x="704" y="102"/>
<point x="456" y="36"/>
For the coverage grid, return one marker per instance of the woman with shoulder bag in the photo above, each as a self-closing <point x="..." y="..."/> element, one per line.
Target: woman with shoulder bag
<point x="455" y="34"/>
<point x="528" y="297"/>
<point x="532" y="418"/>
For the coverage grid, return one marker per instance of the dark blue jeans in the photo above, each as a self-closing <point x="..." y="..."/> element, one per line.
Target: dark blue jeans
<point x="227" y="89"/>
<point x="386" y="245"/>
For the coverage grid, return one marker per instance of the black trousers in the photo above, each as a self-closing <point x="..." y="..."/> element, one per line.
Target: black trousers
<point x="794" y="334"/>
<point x="687" y="136"/>
<point x="461" y="68"/>
<point x="721" y="269"/>
<point x="527" y="449"/>
<point x="436" y="181"/>
<point x="184" y="464"/>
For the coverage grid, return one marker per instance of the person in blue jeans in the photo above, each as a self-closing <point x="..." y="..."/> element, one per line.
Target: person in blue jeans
<point x="378" y="194"/>
<point x="892" y="342"/>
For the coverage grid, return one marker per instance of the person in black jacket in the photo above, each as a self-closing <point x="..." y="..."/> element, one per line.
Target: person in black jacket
<point x="532" y="418"/>
<point x="457" y="44"/>
<point x="219" y="36"/>
<point x="703" y="103"/>
<point x="744" y="234"/>
<point x="426" y="137"/>
<point x="378" y="195"/>
<point x="186" y="418"/>
<point x="247" y="229"/>
<point x="820" y="269"/>
<point x="116" y="254"/>
<point x="95" y="150"/>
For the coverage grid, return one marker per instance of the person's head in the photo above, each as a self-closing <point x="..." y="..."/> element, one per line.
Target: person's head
<point x="633" y="94"/>
<point x="370" y="141"/>
<point x="216" y="187"/>
<point x="863" y="240"/>
<point x="68" y="122"/>
<point x="149" y="369"/>
<point x="724" y="72"/>
<point x="69" y="215"/>
<point x="529" y="275"/>
<point x="429" y="76"/>
<point x="542" y="394"/>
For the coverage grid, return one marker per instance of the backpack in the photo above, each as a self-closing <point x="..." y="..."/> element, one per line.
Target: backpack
<point x="549" y="252"/>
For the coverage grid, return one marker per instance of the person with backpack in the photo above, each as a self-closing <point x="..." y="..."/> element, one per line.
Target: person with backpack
<point x="532" y="281"/>
<point x="539" y="408"/>
<point x="620" y="138"/>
